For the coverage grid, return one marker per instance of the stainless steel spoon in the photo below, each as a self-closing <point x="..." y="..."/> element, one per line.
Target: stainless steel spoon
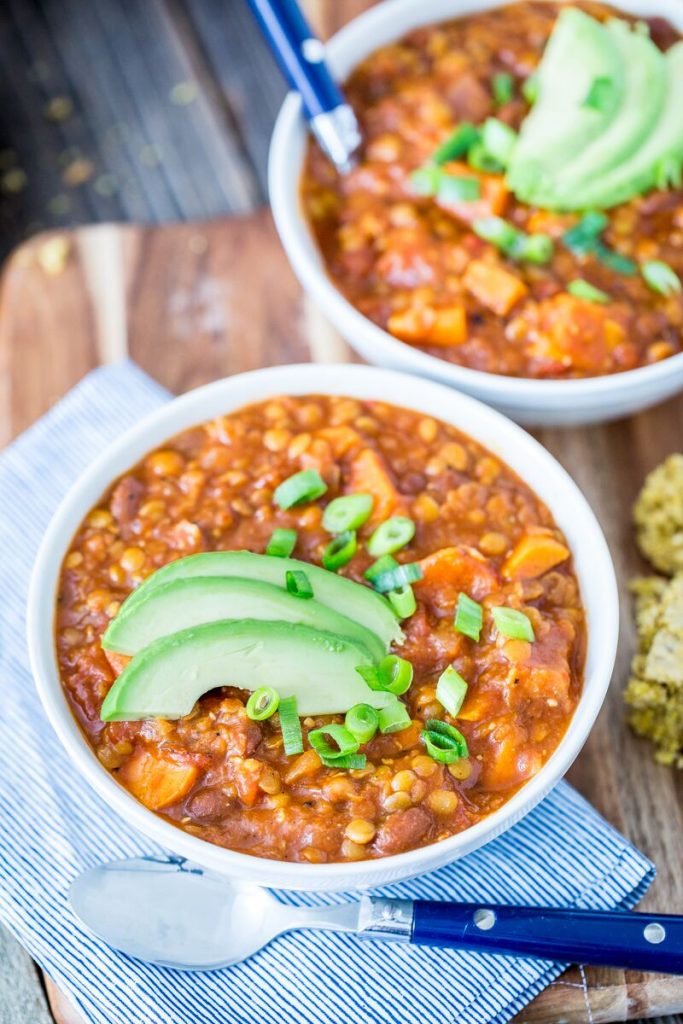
<point x="171" y="913"/>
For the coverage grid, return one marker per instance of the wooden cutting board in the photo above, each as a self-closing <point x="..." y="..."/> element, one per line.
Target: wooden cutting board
<point x="193" y="302"/>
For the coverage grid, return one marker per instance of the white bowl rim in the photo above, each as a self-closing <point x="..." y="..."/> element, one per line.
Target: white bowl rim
<point x="296" y="237"/>
<point x="230" y="394"/>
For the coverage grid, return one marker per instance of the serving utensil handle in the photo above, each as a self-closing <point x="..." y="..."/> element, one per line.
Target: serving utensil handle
<point x="648" y="942"/>
<point x="301" y="56"/>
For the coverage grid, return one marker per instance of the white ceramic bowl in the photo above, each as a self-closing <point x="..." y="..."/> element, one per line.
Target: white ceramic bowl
<point x="534" y="402"/>
<point x="524" y="455"/>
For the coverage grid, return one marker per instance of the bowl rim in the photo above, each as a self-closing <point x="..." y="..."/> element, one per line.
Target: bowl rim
<point x="375" y="27"/>
<point x="570" y="509"/>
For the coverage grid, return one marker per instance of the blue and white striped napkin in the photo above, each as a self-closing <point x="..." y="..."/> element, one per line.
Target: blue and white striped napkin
<point x="52" y="827"/>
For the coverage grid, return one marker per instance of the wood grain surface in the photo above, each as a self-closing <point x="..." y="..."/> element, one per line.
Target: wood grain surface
<point x="193" y="302"/>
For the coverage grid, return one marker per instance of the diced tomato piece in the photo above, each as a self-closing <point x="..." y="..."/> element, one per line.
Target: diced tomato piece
<point x="449" y="571"/>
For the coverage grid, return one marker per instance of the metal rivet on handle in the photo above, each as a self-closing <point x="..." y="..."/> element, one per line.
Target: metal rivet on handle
<point x="313" y="51"/>
<point x="484" y="919"/>
<point x="654" y="933"/>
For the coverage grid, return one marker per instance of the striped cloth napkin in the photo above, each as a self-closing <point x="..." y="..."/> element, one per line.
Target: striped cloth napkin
<point x="52" y="827"/>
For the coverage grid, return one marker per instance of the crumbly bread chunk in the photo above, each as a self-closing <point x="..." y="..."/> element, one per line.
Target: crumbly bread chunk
<point x="658" y="514"/>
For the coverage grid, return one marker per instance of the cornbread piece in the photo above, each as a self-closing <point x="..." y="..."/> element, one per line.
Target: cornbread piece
<point x="655" y="689"/>
<point x="658" y="515"/>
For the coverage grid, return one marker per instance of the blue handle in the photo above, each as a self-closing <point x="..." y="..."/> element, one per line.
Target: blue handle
<point x="299" y="53"/>
<point x="647" y="942"/>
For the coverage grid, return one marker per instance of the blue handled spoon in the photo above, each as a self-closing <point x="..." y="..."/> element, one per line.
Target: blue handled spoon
<point x="301" y="56"/>
<point x="171" y="913"/>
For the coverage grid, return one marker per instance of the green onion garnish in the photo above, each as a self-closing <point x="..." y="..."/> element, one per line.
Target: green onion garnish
<point x="345" y="761"/>
<point x="295" y="490"/>
<point x="444" y="742"/>
<point x="459" y="143"/>
<point x="661" y="277"/>
<point x="393" y="534"/>
<point x="614" y="260"/>
<point x="394" y="717"/>
<point x="298" y="584"/>
<point x="382" y="565"/>
<point x="581" y="289"/>
<point x="582" y="236"/>
<point x="281" y="543"/>
<point x="343" y="741"/>
<point x="403" y="601"/>
<point x="503" y="85"/>
<point x="262" y="703"/>
<point x="362" y="721"/>
<point x="669" y="172"/>
<point x="425" y="181"/>
<point x="530" y="88"/>
<point x="451" y="690"/>
<point x="391" y="675"/>
<point x="497" y="231"/>
<point x="534" y="249"/>
<point x="347" y="513"/>
<point x="480" y="159"/>
<point x="290" y="726"/>
<point x="513" y="624"/>
<point x="340" y="550"/>
<point x="469" y="617"/>
<point x="394" y="579"/>
<point x="455" y="188"/>
<point x="601" y="95"/>
<point x="498" y="139"/>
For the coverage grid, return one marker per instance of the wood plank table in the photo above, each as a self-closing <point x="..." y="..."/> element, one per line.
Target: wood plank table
<point x="194" y="302"/>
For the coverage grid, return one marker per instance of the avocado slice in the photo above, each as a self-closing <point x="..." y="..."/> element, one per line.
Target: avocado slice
<point x="191" y="601"/>
<point x="643" y="101"/>
<point x="166" y="679"/>
<point x="354" y="600"/>
<point x="561" y="124"/>
<point x="637" y="174"/>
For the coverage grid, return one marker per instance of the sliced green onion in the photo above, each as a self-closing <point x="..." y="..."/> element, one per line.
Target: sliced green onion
<point x="343" y="741"/>
<point x="392" y="675"/>
<point x="469" y="617"/>
<point x="661" y="277"/>
<point x="503" y="85"/>
<point x="394" y="718"/>
<point x="480" y="159"/>
<point x="582" y="236"/>
<point x="581" y="289"/>
<point x="455" y="188"/>
<point x="451" y="690"/>
<point x="345" y="761"/>
<point x="347" y="513"/>
<point x="295" y="490"/>
<point x="459" y="143"/>
<point x="382" y="565"/>
<point x="425" y="181"/>
<point x="669" y="172"/>
<point x="393" y="579"/>
<point x="298" y="584"/>
<point x="444" y="742"/>
<point x="530" y="88"/>
<point x="513" y="624"/>
<point x="534" y="249"/>
<point x="393" y="534"/>
<point x="498" y="139"/>
<point x="602" y="95"/>
<point x="362" y="721"/>
<point x="340" y="550"/>
<point x="496" y="231"/>
<point x="281" y="543"/>
<point x="290" y="726"/>
<point x="614" y="260"/>
<point x="262" y="703"/>
<point x="403" y="601"/>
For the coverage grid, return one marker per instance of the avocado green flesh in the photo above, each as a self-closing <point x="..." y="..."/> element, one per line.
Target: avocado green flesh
<point x="354" y="600"/>
<point x="637" y="174"/>
<point x="643" y="101"/>
<point x="185" y="602"/>
<point x="166" y="679"/>
<point x="560" y="125"/>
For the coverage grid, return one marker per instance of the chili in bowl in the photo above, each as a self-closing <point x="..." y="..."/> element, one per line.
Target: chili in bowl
<point x="497" y="234"/>
<point x="323" y="627"/>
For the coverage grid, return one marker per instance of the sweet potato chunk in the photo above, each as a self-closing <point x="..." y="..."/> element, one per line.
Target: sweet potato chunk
<point x="369" y="475"/>
<point x="534" y="555"/>
<point x="449" y="571"/>
<point x="425" y="325"/>
<point x="158" y="781"/>
<point x="494" y="287"/>
<point x="492" y="200"/>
